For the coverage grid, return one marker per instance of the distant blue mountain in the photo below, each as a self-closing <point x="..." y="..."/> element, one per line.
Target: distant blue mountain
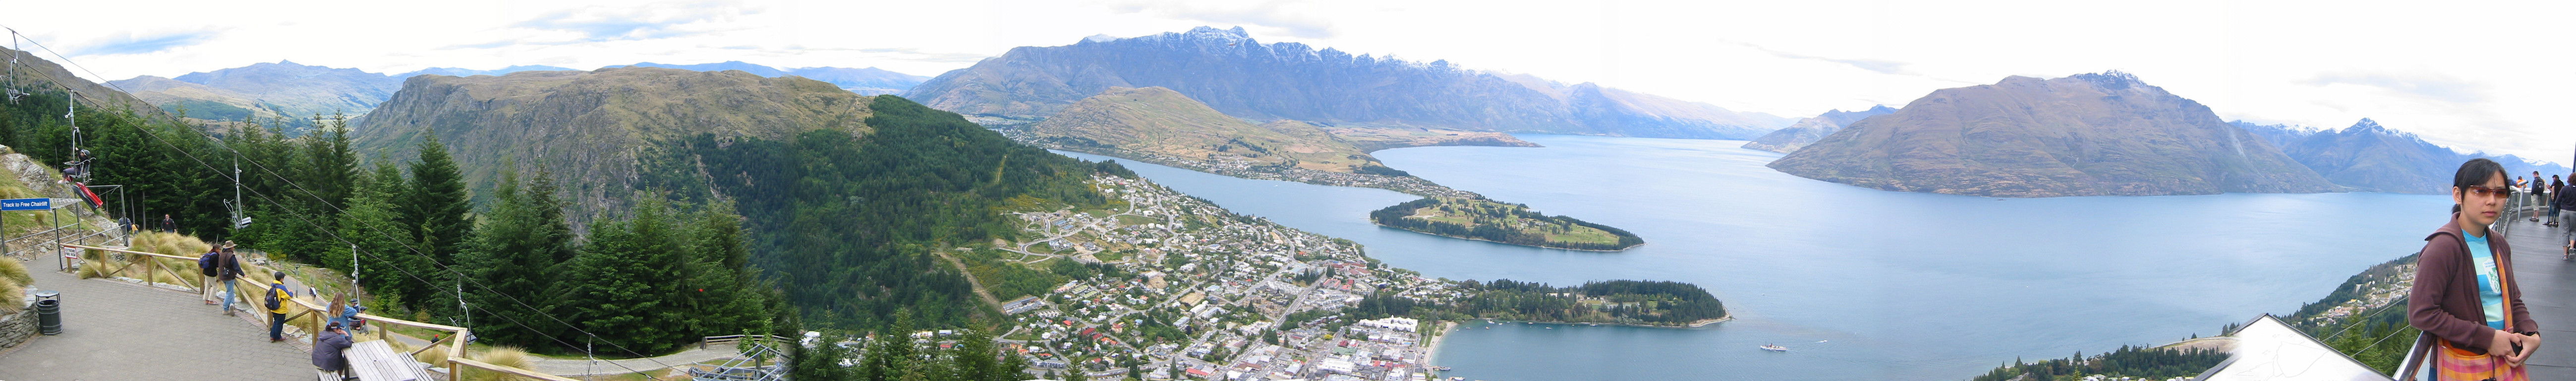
<point x="2371" y="157"/>
<point x="462" y="72"/>
<point x="754" y="69"/>
<point x="1233" y="73"/>
<point x="865" y="81"/>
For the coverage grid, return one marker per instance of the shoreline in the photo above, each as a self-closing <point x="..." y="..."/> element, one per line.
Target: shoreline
<point x="1431" y="355"/>
<point x="1374" y="222"/>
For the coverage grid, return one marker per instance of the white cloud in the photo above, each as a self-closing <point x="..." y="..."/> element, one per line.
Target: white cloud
<point x="2477" y="76"/>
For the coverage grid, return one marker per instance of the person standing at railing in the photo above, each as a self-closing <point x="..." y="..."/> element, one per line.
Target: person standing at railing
<point x="2557" y="188"/>
<point x="278" y="299"/>
<point x="208" y="265"/>
<point x="2465" y="294"/>
<point x="2539" y="193"/>
<point x="228" y="269"/>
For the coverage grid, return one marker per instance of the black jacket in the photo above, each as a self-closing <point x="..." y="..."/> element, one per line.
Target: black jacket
<point x="326" y="352"/>
<point x="2566" y="201"/>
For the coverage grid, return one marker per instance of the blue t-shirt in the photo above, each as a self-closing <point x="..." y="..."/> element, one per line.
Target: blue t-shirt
<point x="2489" y="296"/>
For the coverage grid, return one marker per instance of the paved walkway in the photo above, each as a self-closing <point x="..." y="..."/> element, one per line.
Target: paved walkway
<point x="2549" y="289"/>
<point x="121" y="331"/>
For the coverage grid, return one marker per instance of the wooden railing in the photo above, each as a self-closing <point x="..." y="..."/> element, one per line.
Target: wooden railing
<point x="731" y="339"/>
<point x="305" y="308"/>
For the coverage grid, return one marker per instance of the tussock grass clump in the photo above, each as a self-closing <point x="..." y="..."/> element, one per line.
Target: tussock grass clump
<point x="95" y="265"/>
<point x="16" y="271"/>
<point x="433" y="357"/>
<point x="11" y="294"/>
<point x="170" y="243"/>
<point x="503" y="356"/>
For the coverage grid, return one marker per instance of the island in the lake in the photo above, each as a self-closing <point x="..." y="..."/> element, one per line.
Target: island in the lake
<point x="1502" y="222"/>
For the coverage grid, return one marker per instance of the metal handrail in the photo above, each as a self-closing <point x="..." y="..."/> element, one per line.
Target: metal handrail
<point x="27" y="252"/>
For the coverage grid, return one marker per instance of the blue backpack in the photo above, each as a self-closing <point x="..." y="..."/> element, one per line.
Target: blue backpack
<point x="206" y="264"/>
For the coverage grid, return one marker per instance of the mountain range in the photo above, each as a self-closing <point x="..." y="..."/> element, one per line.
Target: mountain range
<point x="587" y="127"/>
<point x="2370" y="157"/>
<point x="1809" y="130"/>
<point x="297" y="92"/>
<point x="1239" y="76"/>
<point x="285" y="89"/>
<point x="2106" y="134"/>
<point x="1163" y="122"/>
<point x="865" y="81"/>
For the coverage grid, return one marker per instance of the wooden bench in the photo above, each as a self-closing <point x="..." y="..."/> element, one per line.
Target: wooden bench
<point x="378" y="361"/>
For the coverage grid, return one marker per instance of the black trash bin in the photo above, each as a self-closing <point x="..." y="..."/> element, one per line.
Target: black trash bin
<point x="49" y="313"/>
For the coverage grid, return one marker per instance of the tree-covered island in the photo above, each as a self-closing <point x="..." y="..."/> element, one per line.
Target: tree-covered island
<point x="1489" y="220"/>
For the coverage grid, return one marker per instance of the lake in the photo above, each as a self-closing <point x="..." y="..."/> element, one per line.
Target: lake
<point x="1859" y="283"/>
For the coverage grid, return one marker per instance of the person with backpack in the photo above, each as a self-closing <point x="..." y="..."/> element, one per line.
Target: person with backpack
<point x="2465" y="295"/>
<point x="278" y="298"/>
<point x="206" y="267"/>
<point x="228" y="269"/>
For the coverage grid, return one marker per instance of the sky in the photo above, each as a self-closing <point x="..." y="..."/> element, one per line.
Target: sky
<point x="2476" y="76"/>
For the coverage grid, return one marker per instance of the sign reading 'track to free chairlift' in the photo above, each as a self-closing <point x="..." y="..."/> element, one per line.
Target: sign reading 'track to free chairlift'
<point x="27" y="204"/>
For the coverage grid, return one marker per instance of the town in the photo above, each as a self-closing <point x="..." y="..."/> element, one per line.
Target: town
<point x="1207" y="294"/>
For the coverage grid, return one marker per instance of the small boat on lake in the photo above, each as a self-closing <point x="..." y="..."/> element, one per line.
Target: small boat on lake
<point x="1775" y="348"/>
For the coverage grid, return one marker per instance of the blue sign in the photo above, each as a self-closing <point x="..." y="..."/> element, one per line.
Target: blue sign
<point x="27" y="204"/>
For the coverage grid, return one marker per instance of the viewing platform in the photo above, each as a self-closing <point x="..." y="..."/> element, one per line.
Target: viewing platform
<point x="115" y="329"/>
<point x="2549" y="289"/>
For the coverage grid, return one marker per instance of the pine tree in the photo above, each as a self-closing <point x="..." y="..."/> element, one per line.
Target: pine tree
<point x="387" y="264"/>
<point x="622" y="286"/>
<point x="975" y="360"/>
<point x="722" y="296"/>
<point x="513" y="254"/>
<point x="435" y="202"/>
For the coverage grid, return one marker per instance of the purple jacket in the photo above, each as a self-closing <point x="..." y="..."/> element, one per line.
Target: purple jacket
<point x="2445" y="300"/>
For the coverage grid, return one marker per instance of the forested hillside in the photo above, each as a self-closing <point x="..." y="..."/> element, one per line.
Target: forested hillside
<point x="852" y="220"/>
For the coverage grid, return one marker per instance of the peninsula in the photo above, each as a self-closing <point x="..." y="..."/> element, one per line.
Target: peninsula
<point x="1502" y="222"/>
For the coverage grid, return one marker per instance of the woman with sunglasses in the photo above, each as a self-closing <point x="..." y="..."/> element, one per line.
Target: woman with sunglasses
<point x="2465" y="295"/>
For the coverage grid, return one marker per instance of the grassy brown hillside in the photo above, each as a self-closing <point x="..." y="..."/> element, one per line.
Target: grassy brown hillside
<point x="1160" y="121"/>
<point x="38" y="75"/>
<point x="587" y="127"/>
<point x="1163" y="122"/>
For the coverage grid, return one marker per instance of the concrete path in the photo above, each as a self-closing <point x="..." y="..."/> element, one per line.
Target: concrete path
<point x="121" y="331"/>
<point x="2549" y="288"/>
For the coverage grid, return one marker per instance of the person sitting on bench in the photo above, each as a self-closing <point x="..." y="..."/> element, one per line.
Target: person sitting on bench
<point x="327" y="351"/>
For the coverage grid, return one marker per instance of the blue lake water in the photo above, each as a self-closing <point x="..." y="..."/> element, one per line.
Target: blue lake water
<point x="1896" y="286"/>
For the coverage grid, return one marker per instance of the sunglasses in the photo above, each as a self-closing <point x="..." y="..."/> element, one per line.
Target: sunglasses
<point x="2488" y="192"/>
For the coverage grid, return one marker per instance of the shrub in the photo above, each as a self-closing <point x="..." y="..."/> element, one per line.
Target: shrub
<point x="16" y="271"/>
<point x="503" y="356"/>
<point x="11" y="295"/>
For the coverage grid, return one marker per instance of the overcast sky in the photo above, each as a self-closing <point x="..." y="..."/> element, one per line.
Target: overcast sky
<point x="2490" y="77"/>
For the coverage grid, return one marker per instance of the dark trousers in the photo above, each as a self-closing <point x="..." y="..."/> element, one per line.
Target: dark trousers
<point x="276" y="326"/>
